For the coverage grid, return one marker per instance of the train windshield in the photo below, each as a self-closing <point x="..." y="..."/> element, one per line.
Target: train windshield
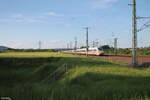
<point x="100" y="49"/>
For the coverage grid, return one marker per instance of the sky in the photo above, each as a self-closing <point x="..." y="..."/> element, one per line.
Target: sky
<point x="23" y="23"/>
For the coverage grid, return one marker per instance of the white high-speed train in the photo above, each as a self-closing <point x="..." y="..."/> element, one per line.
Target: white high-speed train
<point x="91" y="51"/>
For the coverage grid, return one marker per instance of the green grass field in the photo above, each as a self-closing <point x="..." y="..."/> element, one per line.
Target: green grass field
<point x="89" y="78"/>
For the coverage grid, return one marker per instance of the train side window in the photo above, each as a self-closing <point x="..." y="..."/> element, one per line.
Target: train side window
<point x="94" y="50"/>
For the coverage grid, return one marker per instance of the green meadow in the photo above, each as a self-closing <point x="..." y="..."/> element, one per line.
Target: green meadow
<point x="87" y="78"/>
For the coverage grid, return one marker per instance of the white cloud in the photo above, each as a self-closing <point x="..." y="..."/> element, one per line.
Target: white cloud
<point x="68" y="15"/>
<point x="52" y="44"/>
<point x="53" y="14"/>
<point x="17" y="16"/>
<point x="20" y="18"/>
<point x="102" y="3"/>
<point x="13" y="44"/>
<point x="55" y="41"/>
<point x="42" y="18"/>
<point x="68" y="25"/>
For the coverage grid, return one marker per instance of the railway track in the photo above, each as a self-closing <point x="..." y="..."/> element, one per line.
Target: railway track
<point x="125" y="58"/>
<point x="122" y="58"/>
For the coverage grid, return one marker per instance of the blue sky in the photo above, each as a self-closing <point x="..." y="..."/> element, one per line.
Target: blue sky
<point x="56" y="22"/>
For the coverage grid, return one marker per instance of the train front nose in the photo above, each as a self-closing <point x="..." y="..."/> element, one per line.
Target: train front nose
<point x="101" y="53"/>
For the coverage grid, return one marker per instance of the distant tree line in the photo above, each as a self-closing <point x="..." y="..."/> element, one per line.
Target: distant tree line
<point x="28" y="50"/>
<point x="126" y="51"/>
<point x="107" y="49"/>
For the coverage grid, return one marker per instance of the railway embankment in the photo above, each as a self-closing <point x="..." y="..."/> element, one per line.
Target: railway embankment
<point x="87" y="78"/>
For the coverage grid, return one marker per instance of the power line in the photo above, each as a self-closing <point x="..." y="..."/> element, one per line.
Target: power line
<point x="138" y="17"/>
<point x="146" y="25"/>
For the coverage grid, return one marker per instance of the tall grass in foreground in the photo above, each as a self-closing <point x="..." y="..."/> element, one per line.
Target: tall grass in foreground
<point x="87" y="78"/>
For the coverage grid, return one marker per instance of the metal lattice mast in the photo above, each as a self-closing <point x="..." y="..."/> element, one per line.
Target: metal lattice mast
<point x="115" y="46"/>
<point x="87" y="46"/>
<point x="67" y="45"/>
<point x="134" y="34"/>
<point x="93" y="45"/>
<point x="75" y="46"/>
<point x="40" y="43"/>
<point x="70" y="45"/>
